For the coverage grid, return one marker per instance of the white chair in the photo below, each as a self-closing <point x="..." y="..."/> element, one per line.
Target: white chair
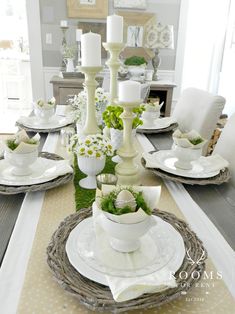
<point x="198" y="110"/>
<point x="226" y="145"/>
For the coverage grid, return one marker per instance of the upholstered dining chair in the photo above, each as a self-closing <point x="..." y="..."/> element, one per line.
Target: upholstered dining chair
<point x="198" y="110"/>
<point x="226" y="145"/>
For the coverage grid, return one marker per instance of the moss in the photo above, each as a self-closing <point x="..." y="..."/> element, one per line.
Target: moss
<point x="196" y="141"/>
<point x="135" y="60"/>
<point x="84" y="197"/>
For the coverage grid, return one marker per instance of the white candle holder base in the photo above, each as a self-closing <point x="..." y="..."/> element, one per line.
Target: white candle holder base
<point x="91" y="125"/>
<point x="127" y="171"/>
<point x="88" y="183"/>
<point x="114" y="64"/>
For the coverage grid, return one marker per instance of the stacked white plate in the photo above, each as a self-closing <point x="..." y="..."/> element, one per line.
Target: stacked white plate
<point x="55" y="122"/>
<point x="43" y="170"/>
<point x="164" y="244"/>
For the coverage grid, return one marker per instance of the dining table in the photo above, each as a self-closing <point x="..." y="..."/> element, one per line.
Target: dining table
<point x="28" y="286"/>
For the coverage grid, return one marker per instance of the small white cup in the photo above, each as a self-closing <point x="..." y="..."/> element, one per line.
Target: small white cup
<point x="44" y="114"/>
<point x="149" y="117"/>
<point x="126" y="237"/>
<point x="186" y="156"/>
<point x="21" y="162"/>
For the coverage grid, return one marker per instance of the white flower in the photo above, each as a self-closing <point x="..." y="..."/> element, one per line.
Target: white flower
<point x="99" y="155"/>
<point x="95" y="145"/>
<point x="81" y="150"/>
<point x="90" y="152"/>
<point x="52" y="101"/>
<point x="40" y="103"/>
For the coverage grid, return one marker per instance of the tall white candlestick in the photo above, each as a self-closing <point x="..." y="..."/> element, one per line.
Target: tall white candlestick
<point x="63" y="23"/>
<point x="114" y="29"/>
<point x="91" y="49"/>
<point x="78" y="34"/>
<point x="129" y="91"/>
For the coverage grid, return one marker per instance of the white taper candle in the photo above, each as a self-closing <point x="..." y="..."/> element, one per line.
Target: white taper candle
<point x="78" y="34"/>
<point x="114" y="29"/>
<point x="129" y="91"/>
<point x="91" y="49"/>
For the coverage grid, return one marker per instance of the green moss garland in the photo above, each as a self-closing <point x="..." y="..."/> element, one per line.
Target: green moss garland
<point x="84" y="197"/>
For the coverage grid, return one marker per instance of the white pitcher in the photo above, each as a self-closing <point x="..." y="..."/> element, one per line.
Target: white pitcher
<point x="69" y="64"/>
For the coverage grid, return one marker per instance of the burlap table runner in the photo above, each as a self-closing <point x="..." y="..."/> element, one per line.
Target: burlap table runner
<point x="42" y="294"/>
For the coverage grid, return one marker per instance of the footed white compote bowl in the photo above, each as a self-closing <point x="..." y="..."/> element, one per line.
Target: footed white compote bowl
<point x="125" y="237"/>
<point x="149" y="117"/>
<point x="185" y="156"/>
<point x="91" y="167"/>
<point x="44" y="114"/>
<point x="21" y="162"/>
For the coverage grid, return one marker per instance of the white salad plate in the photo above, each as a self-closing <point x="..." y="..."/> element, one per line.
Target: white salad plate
<point x="55" y="122"/>
<point x="164" y="244"/>
<point x="160" y="123"/>
<point x="165" y="160"/>
<point x="43" y="170"/>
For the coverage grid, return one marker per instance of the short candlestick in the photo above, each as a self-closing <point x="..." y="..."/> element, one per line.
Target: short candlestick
<point x="127" y="171"/>
<point x="63" y="44"/>
<point x="91" y="125"/>
<point x="114" y="64"/>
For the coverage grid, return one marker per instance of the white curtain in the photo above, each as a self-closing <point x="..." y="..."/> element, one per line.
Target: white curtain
<point x="226" y="85"/>
<point x="204" y="30"/>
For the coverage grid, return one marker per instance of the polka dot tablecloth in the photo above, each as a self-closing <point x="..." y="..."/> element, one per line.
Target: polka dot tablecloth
<point x="42" y="294"/>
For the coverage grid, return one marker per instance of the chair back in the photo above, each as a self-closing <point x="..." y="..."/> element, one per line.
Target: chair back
<point x="198" y="110"/>
<point x="226" y="145"/>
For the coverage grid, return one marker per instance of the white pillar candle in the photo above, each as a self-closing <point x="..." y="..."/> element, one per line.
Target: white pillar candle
<point x="91" y="49"/>
<point x="114" y="29"/>
<point x="129" y="91"/>
<point x="78" y="34"/>
<point x="63" y="23"/>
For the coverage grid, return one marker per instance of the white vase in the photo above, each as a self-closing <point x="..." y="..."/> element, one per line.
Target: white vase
<point x="91" y="166"/>
<point x="185" y="156"/>
<point x="21" y="162"/>
<point x="116" y="137"/>
<point x="69" y="64"/>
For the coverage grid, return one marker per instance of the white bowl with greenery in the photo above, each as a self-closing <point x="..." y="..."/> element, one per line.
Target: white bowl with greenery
<point x="187" y="148"/>
<point x="126" y="215"/>
<point x="21" y="152"/>
<point x="45" y="110"/>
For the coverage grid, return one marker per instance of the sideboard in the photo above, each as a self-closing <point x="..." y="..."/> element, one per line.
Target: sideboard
<point x="64" y="87"/>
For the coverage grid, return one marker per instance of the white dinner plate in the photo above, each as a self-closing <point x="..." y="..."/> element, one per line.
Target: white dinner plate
<point x="44" y="170"/>
<point x="82" y="262"/>
<point x="165" y="160"/>
<point x="160" y="123"/>
<point x="55" y="122"/>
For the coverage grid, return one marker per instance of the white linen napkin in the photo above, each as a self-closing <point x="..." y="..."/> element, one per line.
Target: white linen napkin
<point x="151" y="161"/>
<point x="23" y="148"/>
<point x="56" y="168"/>
<point x="127" y="288"/>
<point x="213" y="163"/>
